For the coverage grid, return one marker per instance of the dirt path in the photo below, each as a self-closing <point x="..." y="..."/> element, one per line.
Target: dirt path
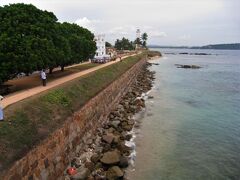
<point x="28" y="82"/>
<point x="13" y="98"/>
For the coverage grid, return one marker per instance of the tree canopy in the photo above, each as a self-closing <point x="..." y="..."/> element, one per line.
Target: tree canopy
<point x="108" y="44"/>
<point x="31" y="39"/>
<point x="124" y="44"/>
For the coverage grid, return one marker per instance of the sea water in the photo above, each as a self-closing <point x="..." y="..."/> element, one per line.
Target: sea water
<point x="191" y="128"/>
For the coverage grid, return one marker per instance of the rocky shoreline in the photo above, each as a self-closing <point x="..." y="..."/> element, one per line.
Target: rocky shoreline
<point x="106" y="154"/>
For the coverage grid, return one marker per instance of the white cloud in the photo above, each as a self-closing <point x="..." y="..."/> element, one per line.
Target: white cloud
<point x="118" y="30"/>
<point x="185" y="37"/>
<point x="157" y="34"/>
<point x="122" y="30"/>
<point x="87" y="23"/>
<point x="205" y="20"/>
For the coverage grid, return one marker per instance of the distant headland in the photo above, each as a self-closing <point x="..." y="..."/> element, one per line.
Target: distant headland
<point x="233" y="46"/>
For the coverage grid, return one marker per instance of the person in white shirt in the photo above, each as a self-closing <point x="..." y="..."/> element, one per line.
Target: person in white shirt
<point x="1" y="109"/>
<point x="44" y="77"/>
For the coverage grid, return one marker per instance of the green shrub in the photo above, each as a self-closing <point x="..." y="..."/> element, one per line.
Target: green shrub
<point x="57" y="97"/>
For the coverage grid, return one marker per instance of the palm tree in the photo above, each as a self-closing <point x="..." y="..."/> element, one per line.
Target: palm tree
<point x="144" y="39"/>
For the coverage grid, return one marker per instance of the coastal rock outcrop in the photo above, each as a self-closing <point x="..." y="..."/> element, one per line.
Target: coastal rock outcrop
<point x="186" y="66"/>
<point x="107" y="156"/>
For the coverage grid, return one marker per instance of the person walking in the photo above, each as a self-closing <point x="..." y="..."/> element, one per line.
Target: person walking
<point x="1" y="109"/>
<point x="44" y="77"/>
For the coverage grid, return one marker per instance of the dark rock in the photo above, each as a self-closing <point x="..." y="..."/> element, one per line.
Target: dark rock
<point x="128" y="137"/>
<point x="124" y="148"/>
<point x="187" y="66"/>
<point x="89" y="165"/>
<point x="117" y="114"/>
<point x="99" y="174"/>
<point x="110" y="130"/>
<point x="115" y="124"/>
<point x="124" y="123"/>
<point x="139" y="102"/>
<point x="128" y="127"/>
<point x="108" y="138"/>
<point x="111" y="157"/>
<point x="95" y="158"/>
<point x="131" y="122"/>
<point x="200" y="54"/>
<point x="98" y="165"/>
<point x="78" y="162"/>
<point x="195" y="67"/>
<point x="123" y="162"/>
<point x="132" y="109"/>
<point x="106" y="147"/>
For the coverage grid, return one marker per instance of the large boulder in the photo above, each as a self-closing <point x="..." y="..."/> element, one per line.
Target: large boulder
<point x="111" y="157"/>
<point x="114" y="173"/>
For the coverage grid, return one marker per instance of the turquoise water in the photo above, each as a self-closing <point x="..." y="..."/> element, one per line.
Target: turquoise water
<point x="191" y="129"/>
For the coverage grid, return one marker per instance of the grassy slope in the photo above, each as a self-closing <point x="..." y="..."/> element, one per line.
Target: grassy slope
<point x="31" y="120"/>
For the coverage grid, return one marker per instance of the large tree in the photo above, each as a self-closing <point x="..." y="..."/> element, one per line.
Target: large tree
<point x="32" y="39"/>
<point x="26" y="41"/>
<point x="82" y="46"/>
<point x="108" y="44"/>
<point x="144" y="39"/>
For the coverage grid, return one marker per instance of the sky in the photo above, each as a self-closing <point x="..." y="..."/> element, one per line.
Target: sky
<point x="167" y="22"/>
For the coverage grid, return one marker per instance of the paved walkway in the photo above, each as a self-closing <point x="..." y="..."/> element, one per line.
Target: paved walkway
<point x="13" y="98"/>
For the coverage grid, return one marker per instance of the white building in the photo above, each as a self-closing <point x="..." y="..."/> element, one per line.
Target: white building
<point x="101" y="48"/>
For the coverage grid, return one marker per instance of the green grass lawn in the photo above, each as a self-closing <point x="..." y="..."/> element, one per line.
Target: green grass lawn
<point x="31" y="120"/>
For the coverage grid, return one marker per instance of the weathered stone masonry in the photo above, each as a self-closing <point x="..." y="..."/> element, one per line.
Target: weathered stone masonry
<point x="49" y="159"/>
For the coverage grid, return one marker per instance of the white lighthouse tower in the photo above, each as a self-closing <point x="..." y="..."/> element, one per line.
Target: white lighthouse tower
<point x="138" y="38"/>
<point x="138" y="34"/>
